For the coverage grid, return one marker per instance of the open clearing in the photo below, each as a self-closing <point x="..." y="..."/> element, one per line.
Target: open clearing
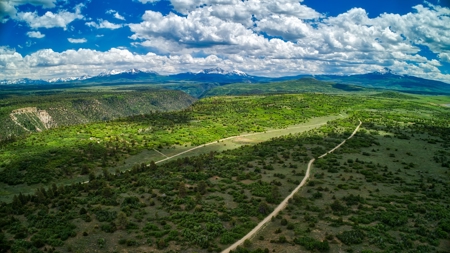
<point x="146" y="156"/>
<point x="240" y="140"/>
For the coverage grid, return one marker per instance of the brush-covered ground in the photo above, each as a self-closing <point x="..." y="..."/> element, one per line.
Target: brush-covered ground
<point x="68" y="152"/>
<point x="390" y="194"/>
<point x="385" y="190"/>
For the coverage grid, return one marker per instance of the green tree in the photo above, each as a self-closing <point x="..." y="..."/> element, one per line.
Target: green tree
<point x="91" y="176"/>
<point x="201" y="187"/>
<point x="85" y="170"/>
<point x="182" y="190"/>
<point x="198" y="197"/>
<point x="106" y="174"/>
<point x="153" y="165"/>
<point x="263" y="207"/>
<point x="122" y="220"/>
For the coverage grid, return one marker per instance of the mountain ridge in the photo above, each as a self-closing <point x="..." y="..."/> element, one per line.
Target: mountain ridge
<point x="382" y="79"/>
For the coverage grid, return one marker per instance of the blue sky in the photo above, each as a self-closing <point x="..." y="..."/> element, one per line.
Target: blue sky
<point x="43" y="39"/>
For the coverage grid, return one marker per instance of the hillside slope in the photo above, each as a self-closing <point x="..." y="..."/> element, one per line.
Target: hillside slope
<point x="20" y="115"/>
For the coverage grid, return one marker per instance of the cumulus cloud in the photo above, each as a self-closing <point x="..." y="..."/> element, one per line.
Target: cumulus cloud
<point x="10" y="59"/>
<point x="72" y="40"/>
<point x="49" y="19"/>
<point x="266" y="37"/>
<point x="428" y="26"/>
<point x="245" y="12"/>
<point x="8" y="7"/>
<point x="234" y="30"/>
<point x="195" y="30"/>
<point x="47" y="64"/>
<point x="445" y="57"/>
<point x="37" y="35"/>
<point x="104" y="24"/>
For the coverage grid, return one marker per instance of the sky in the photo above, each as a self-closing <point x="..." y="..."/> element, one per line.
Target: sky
<point x="43" y="39"/>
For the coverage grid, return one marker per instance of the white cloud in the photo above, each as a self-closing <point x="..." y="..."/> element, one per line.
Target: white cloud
<point x="49" y="19"/>
<point x="82" y="40"/>
<point x="118" y="16"/>
<point x="8" y="7"/>
<point x="444" y="57"/>
<point x="115" y="14"/>
<point x="148" y="1"/>
<point x="10" y="60"/>
<point x="37" y="35"/>
<point x="346" y="44"/>
<point x="195" y="30"/>
<point x="104" y="24"/>
<point x="244" y="11"/>
<point x="426" y="26"/>
<point x="47" y="64"/>
<point x="233" y="35"/>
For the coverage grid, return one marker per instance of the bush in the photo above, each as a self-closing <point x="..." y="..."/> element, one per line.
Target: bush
<point x="312" y="244"/>
<point x="108" y="227"/>
<point x="351" y="237"/>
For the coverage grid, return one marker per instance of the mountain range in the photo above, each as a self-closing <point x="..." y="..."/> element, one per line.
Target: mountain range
<point x="383" y="79"/>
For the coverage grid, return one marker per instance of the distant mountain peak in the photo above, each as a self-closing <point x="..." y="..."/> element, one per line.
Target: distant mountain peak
<point x="384" y="71"/>
<point x="221" y="71"/>
<point x="216" y="70"/>
<point x="114" y="72"/>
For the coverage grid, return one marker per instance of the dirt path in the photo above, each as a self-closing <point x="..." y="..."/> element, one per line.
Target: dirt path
<point x="284" y="203"/>
<point x="229" y="138"/>
<point x="224" y="139"/>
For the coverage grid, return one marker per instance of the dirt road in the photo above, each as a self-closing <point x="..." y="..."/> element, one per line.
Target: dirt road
<point x="228" y="138"/>
<point x="224" y="139"/>
<point x="283" y="204"/>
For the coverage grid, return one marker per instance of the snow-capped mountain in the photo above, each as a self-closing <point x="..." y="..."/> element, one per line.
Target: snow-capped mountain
<point x="222" y="72"/>
<point x="382" y="79"/>
<point x="114" y="72"/>
<point x="22" y="81"/>
<point x="108" y="74"/>
<point x="218" y="75"/>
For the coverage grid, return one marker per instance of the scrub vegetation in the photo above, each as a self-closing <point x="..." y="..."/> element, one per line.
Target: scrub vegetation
<point x="384" y="190"/>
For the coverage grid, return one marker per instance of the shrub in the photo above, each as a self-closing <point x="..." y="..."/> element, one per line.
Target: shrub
<point x="351" y="237"/>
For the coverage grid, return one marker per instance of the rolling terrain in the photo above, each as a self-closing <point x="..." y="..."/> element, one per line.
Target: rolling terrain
<point x="159" y="171"/>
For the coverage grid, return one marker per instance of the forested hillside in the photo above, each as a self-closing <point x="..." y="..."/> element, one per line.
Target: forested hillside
<point x="26" y="114"/>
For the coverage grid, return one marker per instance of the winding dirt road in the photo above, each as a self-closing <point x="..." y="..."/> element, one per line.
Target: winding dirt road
<point x="284" y="203"/>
